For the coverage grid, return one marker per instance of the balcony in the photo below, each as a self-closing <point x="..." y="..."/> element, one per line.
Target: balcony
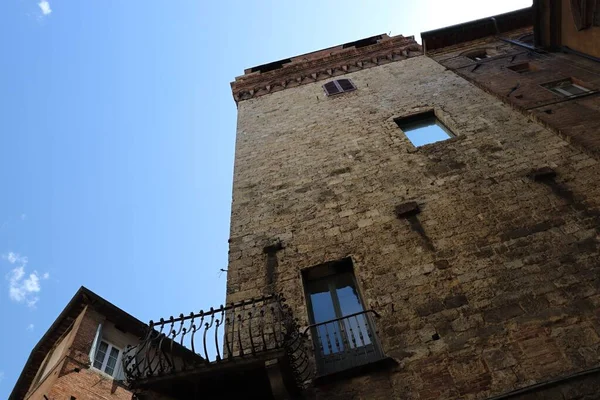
<point x="346" y="344"/>
<point x="254" y="343"/>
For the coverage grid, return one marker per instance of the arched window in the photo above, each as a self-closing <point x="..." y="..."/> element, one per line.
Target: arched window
<point x="338" y="86"/>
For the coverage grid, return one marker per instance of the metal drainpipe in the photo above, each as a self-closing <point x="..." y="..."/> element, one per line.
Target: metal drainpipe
<point x="520" y="44"/>
<point x="516" y="43"/>
<point x="495" y="25"/>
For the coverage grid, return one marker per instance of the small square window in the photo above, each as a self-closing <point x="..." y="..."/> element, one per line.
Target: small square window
<point x="566" y="88"/>
<point x="424" y="128"/>
<point x="522" y="68"/>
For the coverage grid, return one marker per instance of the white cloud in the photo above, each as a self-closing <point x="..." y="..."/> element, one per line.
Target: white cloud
<point x="45" y="7"/>
<point x="30" y="327"/>
<point x="14" y="258"/>
<point x="23" y="286"/>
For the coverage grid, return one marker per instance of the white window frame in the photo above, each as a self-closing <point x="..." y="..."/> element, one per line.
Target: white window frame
<point x="566" y="93"/>
<point x="106" y="358"/>
<point x="557" y="88"/>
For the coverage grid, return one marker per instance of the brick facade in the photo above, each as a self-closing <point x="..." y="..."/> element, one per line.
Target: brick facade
<point x="576" y="119"/>
<point x="59" y="367"/>
<point x="492" y="287"/>
<point x="71" y="377"/>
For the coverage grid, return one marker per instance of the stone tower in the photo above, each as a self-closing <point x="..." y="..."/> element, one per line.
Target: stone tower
<point x="434" y="241"/>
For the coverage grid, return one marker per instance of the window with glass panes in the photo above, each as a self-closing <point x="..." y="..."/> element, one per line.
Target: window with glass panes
<point x="106" y="358"/>
<point x="342" y="330"/>
<point x="566" y="88"/>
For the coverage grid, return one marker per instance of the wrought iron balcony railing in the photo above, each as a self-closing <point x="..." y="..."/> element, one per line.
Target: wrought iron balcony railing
<point x="201" y="340"/>
<point x="346" y="342"/>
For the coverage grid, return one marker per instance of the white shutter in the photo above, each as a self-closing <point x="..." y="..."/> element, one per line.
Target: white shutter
<point x="119" y="373"/>
<point x="95" y="344"/>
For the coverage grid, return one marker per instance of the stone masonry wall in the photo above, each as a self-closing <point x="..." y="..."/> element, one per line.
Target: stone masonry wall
<point x="505" y="270"/>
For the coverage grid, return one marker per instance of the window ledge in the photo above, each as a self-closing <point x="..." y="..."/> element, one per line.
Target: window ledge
<point x="381" y="364"/>
<point x="104" y="374"/>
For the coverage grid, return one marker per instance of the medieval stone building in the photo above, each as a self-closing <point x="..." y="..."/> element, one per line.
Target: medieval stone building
<point x="408" y="222"/>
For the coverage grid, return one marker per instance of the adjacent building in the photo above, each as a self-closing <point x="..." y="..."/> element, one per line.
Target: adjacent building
<point x="410" y="222"/>
<point x="80" y="357"/>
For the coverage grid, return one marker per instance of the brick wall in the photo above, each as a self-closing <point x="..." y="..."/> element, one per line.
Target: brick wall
<point x="72" y="376"/>
<point x="505" y="269"/>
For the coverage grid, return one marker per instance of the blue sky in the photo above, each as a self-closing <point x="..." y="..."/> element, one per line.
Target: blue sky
<point x="117" y="130"/>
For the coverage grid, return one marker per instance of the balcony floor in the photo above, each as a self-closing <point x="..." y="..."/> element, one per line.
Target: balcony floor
<point x="245" y="377"/>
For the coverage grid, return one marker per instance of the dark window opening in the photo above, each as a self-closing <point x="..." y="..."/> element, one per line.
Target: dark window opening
<point x="338" y="86"/>
<point x="270" y="66"/>
<point x="522" y="68"/>
<point x="363" y="42"/>
<point x="478" y="55"/>
<point x="423" y="128"/>
<point x="566" y="88"/>
<point x="342" y="331"/>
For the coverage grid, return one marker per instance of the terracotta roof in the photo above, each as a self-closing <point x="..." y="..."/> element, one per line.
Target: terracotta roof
<point x="477" y="29"/>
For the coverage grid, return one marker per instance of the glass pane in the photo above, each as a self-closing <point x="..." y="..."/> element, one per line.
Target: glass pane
<point x="100" y="354"/>
<point x="573" y="90"/>
<point x="347" y="295"/>
<point x="426" y="131"/>
<point x="356" y="327"/>
<point x="328" y="335"/>
<point x="112" y="361"/>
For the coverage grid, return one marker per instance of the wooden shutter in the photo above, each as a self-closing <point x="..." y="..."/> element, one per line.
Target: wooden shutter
<point x="584" y="13"/>
<point x="331" y="88"/>
<point x="346" y="85"/>
<point x="338" y="86"/>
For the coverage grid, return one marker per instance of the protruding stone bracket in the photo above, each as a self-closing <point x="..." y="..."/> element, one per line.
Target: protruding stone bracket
<point x="543" y="174"/>
<point x="546" y="177"/>
<point x="273" y="247"/>
<point x="409" y="211"/>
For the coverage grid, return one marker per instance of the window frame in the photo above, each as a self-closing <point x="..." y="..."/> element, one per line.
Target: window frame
<point x="102" y="369"/>
<point x="422" y="117"/>
<point x="556" y="87"/>
<point x="331" y="279"/>
<point x="338" y="87"/>
<point x="344" y="357"/>
<point x="528" y="68"/>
